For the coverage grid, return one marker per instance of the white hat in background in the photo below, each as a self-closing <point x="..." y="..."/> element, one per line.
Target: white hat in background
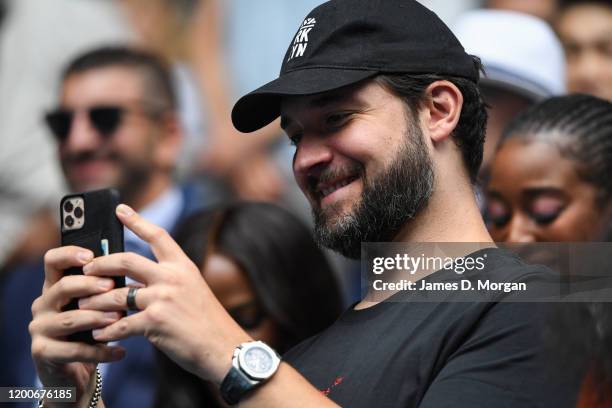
<point x="520" y="52"/>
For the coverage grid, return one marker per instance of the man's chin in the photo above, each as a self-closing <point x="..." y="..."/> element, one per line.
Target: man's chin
<point x="334" y="227"/>
<point x="332" y="214"/>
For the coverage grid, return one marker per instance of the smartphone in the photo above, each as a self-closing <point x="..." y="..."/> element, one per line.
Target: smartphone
<point x="88" y="220"/>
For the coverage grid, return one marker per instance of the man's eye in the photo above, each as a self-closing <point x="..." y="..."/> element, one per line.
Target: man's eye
<point x="337" y="119"/>
<point x="605" y="48"/>
<point x="295" y="139"/>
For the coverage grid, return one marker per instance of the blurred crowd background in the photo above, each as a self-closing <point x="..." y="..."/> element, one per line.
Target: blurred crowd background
<point x="218" y="50"/>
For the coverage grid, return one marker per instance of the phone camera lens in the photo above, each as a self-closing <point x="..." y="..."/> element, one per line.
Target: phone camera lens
<point x="68" y="207"/>
<point x="78" y="212"/>
<point x="69" y="221"/>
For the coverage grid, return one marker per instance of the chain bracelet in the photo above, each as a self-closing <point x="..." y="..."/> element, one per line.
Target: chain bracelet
<point x="93" y="403"/>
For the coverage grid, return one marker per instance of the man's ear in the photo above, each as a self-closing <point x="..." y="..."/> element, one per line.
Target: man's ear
<point x="442" y="106"/>
<point x="169" y="143"/>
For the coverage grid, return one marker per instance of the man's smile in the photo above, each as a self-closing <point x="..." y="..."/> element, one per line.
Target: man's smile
<point x="327" y="188"/>
<point x="332" y="184"/>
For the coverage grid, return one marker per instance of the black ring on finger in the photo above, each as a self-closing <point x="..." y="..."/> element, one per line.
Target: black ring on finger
<point x="131" y="300"/>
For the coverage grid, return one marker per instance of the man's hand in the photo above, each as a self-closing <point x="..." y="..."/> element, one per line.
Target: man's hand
<point x="178" y="312"/>
<point x="60" y="362"/>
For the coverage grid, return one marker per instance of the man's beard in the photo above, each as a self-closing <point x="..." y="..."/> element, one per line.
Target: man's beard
<point x="387" y="202"/>
<point x="132" y="176"/>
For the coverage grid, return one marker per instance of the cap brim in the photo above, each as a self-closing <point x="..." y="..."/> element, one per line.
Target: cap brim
<point x="260" y="107"/>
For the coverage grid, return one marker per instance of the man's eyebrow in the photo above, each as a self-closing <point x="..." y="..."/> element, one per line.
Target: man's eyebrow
<point x="321" y="102"/>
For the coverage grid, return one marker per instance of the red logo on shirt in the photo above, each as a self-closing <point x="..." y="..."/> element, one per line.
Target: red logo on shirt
<point x="337" y="381"/>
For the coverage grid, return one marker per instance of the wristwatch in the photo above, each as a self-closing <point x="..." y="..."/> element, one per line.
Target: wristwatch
<point x="253" y="363"/>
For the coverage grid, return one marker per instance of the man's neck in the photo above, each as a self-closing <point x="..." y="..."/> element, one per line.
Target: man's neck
<point x="451" y="215"/>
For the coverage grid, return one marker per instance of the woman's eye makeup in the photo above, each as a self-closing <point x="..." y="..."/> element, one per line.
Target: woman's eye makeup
<point x="544" y="219"/>
<point x="497" y="212"/>
<point x="545" y="210"/>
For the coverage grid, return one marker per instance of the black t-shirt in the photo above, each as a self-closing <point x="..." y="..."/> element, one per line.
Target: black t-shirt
<point x="445" y="354"/>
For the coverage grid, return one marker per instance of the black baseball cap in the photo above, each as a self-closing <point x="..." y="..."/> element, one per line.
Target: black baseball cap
<point x="342" y="42"/>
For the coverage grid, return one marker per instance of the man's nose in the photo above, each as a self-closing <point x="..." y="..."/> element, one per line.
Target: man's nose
<point x="82" y="136"/>
<point x="312" y="155"/>
<point x="521" y="230"/>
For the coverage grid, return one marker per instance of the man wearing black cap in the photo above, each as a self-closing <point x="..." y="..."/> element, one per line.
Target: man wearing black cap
<point x="382" y="104"/>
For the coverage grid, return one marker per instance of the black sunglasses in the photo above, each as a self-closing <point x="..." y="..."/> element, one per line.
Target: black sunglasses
<point x="105" y="119"/>
<point x="248" y="315"/>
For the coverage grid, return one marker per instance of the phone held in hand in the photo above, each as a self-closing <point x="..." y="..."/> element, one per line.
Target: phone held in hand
<point x="88" y="220"/>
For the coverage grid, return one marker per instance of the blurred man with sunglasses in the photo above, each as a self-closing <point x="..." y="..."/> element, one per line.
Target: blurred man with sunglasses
<point x="116" y="126"/>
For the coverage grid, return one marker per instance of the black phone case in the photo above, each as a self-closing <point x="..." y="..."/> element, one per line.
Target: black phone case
<point x="100" y="223"/>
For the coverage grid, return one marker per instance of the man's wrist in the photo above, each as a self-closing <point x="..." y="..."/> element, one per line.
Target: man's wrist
<point x="91" y="397"/>
<point x="213" y="365"/>
<point x="253" y="364"/>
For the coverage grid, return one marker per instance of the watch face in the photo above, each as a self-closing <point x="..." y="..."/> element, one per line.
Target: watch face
<point x="258" y="360"/>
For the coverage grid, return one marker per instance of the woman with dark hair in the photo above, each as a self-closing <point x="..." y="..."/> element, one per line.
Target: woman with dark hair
<point x="552" y="175"/>
<point x="551" y="181"/>
<point x="266" y="270"/>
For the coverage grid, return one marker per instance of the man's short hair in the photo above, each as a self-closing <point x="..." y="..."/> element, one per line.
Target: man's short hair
<point x="469" y="135"/>
<point x="155" y="72"/>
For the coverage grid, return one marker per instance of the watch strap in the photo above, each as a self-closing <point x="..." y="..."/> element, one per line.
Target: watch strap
<point x="234" y="386"/>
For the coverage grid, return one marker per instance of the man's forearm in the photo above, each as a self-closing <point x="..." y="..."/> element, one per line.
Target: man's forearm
<point x="287" y="388"/>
